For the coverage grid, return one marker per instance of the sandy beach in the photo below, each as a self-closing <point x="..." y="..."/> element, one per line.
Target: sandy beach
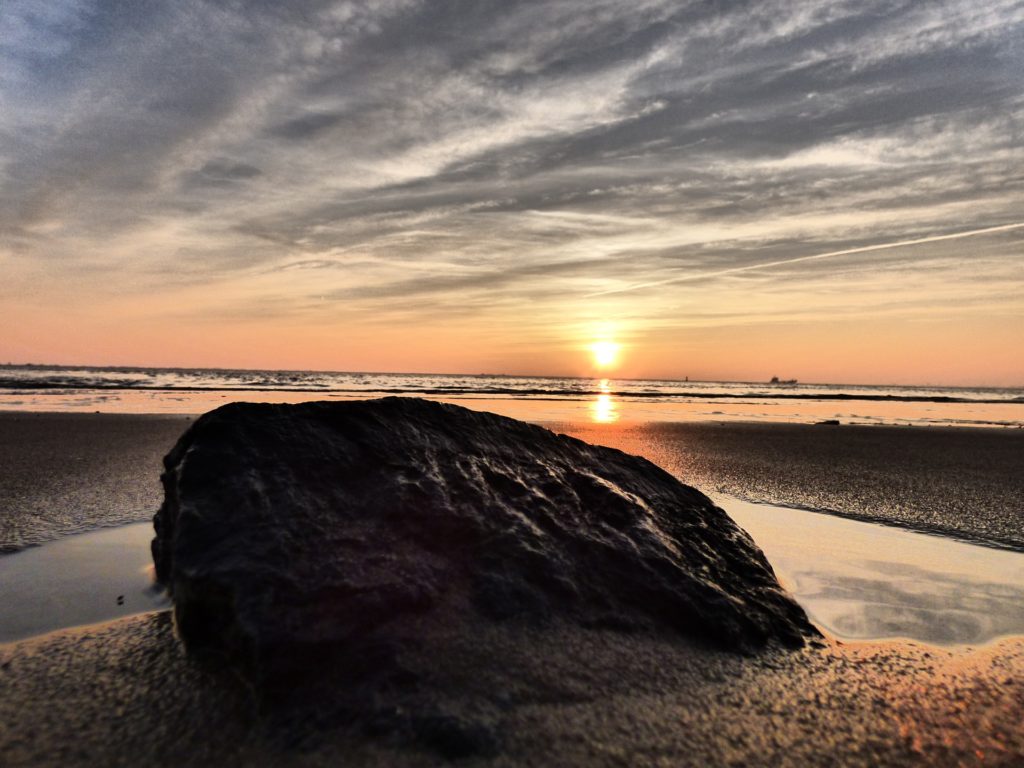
<point x="124" y="692"/>
<point x="390" y="383"/>
<point x="65" y="473"/>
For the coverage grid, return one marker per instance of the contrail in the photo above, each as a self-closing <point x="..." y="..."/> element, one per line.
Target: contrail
<point x="815" y="257"/>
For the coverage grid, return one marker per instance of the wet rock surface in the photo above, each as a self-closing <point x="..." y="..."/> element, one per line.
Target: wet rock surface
<point x="302" y="539"/>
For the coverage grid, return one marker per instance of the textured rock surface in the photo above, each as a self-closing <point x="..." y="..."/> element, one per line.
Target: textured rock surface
<point x="290" y="530"/>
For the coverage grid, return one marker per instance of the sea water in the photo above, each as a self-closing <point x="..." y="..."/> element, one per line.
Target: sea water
<point x="864" y="581"/>
<point x="180" y="390"/>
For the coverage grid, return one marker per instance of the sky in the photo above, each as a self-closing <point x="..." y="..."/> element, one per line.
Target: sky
<point x="829" y="191"/>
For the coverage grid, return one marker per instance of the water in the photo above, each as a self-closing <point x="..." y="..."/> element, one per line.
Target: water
<point x="78" y="580"/>
<point x="165" y="390"/>
<point x="863" y="581"/>
<point x="856" y="580"/>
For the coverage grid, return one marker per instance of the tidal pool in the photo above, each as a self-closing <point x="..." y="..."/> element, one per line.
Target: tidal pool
<point x="856" y="580"/>
<point x="79" y="579"/>
<point x="863" y="581"/>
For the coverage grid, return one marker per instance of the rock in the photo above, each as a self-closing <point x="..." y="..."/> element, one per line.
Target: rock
<point x="291" y="534"/>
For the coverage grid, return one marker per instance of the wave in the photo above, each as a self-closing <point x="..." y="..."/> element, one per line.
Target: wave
<point x="300" y="384"/>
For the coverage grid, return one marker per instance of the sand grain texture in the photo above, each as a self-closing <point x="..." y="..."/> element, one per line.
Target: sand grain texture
<point x="125" y="694"/>
<point x="67" y="473"/>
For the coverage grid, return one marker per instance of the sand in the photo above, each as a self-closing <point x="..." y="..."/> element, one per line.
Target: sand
<point x="124" y="693"/>
<point x="65" y="473"/>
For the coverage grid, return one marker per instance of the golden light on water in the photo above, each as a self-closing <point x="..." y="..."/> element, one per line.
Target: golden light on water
<point x="605" y="353"/>
<point x="604" y="410"/>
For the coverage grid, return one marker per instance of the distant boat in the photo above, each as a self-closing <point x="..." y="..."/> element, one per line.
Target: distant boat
<point x="777" y="380"/>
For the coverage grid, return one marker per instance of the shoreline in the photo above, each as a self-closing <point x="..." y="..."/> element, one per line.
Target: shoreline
<point x="9" y="388"/>
<point x="85" y="413"/>
<point x="598" y="400"/>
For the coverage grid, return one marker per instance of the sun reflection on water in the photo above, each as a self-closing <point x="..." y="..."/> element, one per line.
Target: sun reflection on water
<point x="604" y="409"/>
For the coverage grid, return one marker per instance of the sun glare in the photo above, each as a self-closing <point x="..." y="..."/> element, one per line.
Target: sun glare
<point x="606" y="353"/>
<point x="603" y="410"/>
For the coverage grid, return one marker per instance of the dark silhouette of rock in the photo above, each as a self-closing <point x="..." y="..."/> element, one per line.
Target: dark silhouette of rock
<point x="290" y="534"/>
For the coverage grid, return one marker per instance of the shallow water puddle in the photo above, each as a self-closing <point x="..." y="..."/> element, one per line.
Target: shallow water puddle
<point x="855" y="580"/>
<point x="862" y="581"/>
<point x="78" y="580"/>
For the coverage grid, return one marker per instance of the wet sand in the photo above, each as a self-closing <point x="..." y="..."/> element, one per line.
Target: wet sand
<point x="66" y="473"/>
<point x="123" y="693"/>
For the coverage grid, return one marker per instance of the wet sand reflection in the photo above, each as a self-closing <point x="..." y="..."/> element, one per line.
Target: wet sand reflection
<point x="604" y="409"/>
<point x="870" y="582"/>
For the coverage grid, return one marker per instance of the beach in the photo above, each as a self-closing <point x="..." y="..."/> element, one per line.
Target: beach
<point x="124" y="691"/>
<point x="511" y="384"/>
<point x="66" y="473"/>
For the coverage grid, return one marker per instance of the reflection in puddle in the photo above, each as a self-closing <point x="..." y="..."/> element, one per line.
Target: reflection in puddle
<point x="864" y="581"/>
<point x="76" y="580"/>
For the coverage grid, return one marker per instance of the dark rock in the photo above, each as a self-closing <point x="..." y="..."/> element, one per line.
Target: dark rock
<point x="454" y="737"/>
<point x="312" y="536"/>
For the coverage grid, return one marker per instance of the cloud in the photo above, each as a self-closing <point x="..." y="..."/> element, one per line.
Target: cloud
<point x="828" y="255"/>
<point x="502" y="154"/>
<point x="306" y="126"/>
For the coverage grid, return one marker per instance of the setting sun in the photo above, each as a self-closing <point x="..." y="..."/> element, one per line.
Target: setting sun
<point x="606" y="353"/>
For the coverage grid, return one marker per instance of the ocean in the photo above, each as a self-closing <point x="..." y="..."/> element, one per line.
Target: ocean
<point x="546" y="399"/>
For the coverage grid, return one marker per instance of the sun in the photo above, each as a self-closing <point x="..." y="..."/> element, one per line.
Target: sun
<point x="606" y="353"/>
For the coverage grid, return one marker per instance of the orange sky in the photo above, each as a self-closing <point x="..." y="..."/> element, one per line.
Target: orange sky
<point x="967" y="345"/>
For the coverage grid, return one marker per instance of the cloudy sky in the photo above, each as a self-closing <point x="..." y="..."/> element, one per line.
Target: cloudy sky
<point x="492" y="186"/>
